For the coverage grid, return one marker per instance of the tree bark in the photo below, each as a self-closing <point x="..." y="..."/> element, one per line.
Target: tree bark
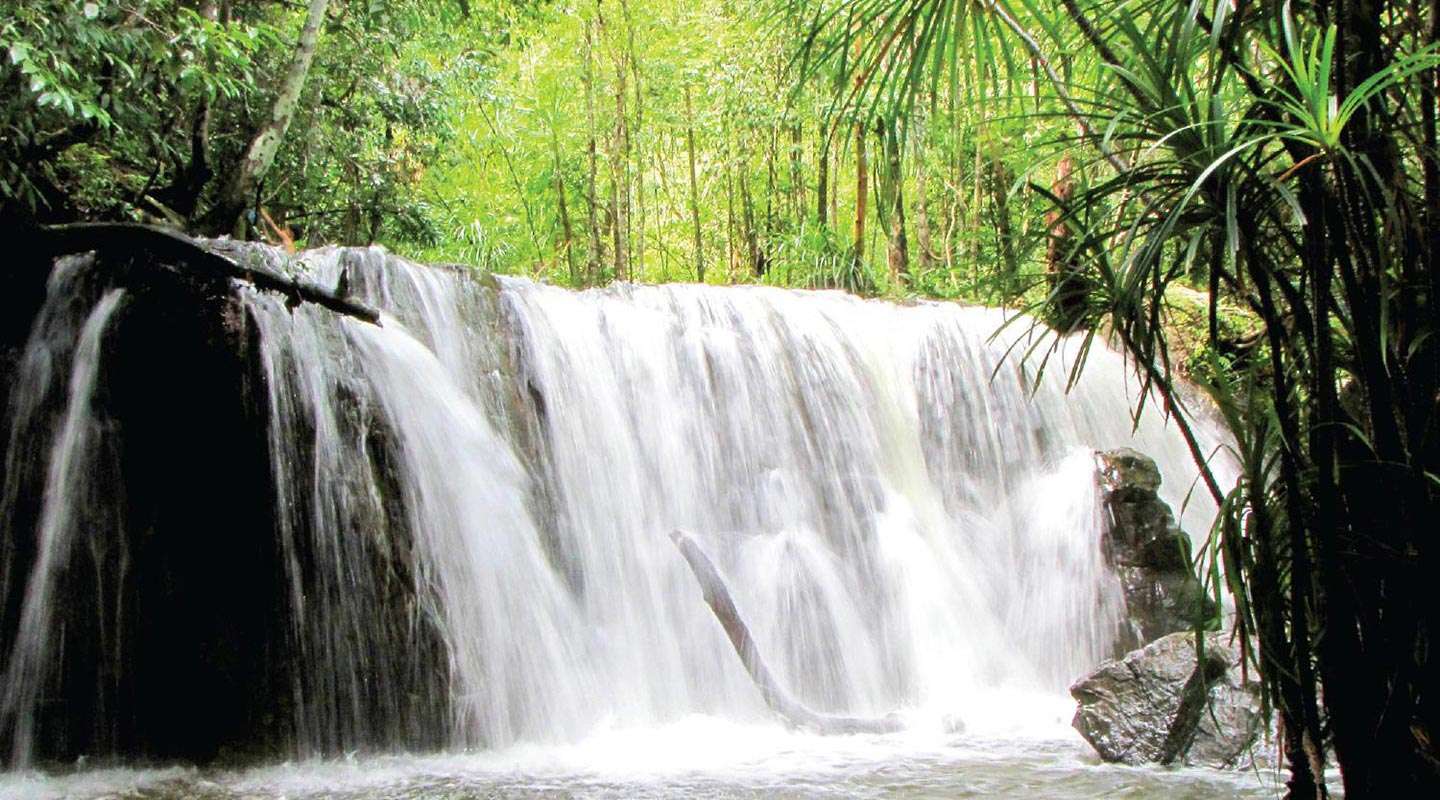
<point x="797" y="173"/>
<point x="635" y="236"/>
<point x="169" y="247"/>
<point x="1069" y="289"/>
<point x="747" y="213"/>
<point x="729" y="204"/>
<point x="772" y="155"/>
<point x="260" y="154"/>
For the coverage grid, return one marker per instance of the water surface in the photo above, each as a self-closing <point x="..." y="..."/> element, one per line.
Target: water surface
<point x="691" y="758"/>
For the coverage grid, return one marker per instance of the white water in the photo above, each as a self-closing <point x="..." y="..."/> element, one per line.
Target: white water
<point x="695" y="757"/>
<point x="909" y="523"/>
<point x="62" y="357"/>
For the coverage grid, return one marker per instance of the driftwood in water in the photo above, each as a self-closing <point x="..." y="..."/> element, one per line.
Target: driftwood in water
<point x="717" y="596"/>
<point x="173" y="246"/>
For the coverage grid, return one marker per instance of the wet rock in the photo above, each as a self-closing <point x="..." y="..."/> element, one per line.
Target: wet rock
<point x="1163" y="705"/>
<point x="178" y="633"/>
<point x="1149" y="553"/>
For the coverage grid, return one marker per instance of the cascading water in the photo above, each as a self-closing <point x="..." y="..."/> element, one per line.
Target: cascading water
<point x="906" y="521"/>
<point x="61" y="359"/>
<point x="473" y="504"/>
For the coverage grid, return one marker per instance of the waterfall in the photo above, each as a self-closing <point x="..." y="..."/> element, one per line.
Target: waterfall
<point x="473" y="504"/>
<point x="908" y="519"/>
<point x="61" y="360"/>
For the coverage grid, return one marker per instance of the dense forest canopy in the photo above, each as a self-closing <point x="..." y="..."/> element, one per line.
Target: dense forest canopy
<point x="518" y="137"/>
<point x="1246" y="192"/>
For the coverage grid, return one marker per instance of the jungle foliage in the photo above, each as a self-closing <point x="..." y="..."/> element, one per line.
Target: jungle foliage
<point x="144" y="109"/>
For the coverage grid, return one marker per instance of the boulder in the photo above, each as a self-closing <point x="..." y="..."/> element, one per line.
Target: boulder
<point x="1163" y="705"/>
<point x="1149" y="553"/>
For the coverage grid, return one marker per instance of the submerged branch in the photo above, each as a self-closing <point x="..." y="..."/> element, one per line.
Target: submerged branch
<point x="717" y="596"/>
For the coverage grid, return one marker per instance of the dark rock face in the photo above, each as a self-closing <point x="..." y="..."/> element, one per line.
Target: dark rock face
<point x="169" y="610"/>
<point x="1162" y="705"/>
<point x="1149" y="552"/>
<point x="174" y="610"/>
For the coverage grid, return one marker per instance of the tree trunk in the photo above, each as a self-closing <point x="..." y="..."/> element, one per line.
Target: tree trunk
<point x="240" y="192"/>
<point x="999" y="179"/>
<point x="377" y="216"/>
<point x="592" y="198"/>
<point x="636" y="235"/>
<point x="620" y="177"/>
<point x="822" y="178"/>
<point x="729" y="204"/>
<point x="862" y="189"/>
<point x="898" y="252"/>
<point x="567" y="248"/>
<point x="182" y="196"/>
<point x="694" y="187"/>
<point x="747" y="213"/>
<point x="168" y="246"/>
<point x="977" y="181"/>
<point x="771" y="155"/>
<point x="717" y="596"/>
<point x="797" y="174"/>
<point x="1069" y="289"/>
<point x="923" y="231"/>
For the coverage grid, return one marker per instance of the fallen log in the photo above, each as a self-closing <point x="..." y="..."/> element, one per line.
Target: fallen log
<point x="173" y="246"/>
<point x="717" y="596"/>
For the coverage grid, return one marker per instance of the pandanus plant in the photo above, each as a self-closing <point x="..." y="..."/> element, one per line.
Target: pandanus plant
<point x="1287" y="154"/>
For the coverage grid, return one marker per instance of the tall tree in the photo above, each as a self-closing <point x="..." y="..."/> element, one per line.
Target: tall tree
<point x="694" y="186"/>
<point x="567" y="232"/>
<point x="240" y="190"/>
<point x="893" y="201"/>
<point x="862" y="190"/>
<point x="924" y="233"/>
<point x="595" y="257"/>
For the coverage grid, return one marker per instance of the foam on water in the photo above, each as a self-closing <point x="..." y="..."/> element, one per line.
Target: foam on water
<point x="698" y="756"/>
